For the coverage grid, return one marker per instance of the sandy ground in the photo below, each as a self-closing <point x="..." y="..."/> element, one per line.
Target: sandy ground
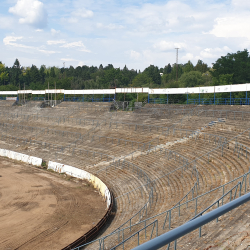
<point x="44" y="210"/>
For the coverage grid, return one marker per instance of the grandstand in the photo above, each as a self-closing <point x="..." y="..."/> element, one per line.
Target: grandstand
<point x="164" y="164"/>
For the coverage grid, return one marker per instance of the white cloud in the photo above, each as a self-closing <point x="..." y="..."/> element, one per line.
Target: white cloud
<point x="81" y="63"/>
<point x="68" y="60"/>
<point x="6" y="22"/>
<point x="135" y="55"/>
<point x="85" y="50"/>
<point x="214" y="53"/>
<point x="110" y="26"/>
<point x="55" y="42"/>
<point x="8" y="40"/>
<point x="174" y="16"/>
<point x="55" y="32"/>
<point x="73" y="45"/>
<point x="126" y="33"/>
<point x="83" y="13"/>
<point x="168" y="46"/>
<point x="30" y="12"/>
<point x="11" y="41"/>
<point x="79" y="45"/>
<point x="47" y="51"/>
<point x="232" y="26"/>
<point x="241" y="3"/>
<point x="187" y="57"/>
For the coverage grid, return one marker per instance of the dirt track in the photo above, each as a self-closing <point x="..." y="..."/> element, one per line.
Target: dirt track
<point x="43" y="210"/>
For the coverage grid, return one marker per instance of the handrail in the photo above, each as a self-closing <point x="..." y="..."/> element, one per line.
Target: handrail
<point x="188" y="227"/>
<point x="194" y="161"/>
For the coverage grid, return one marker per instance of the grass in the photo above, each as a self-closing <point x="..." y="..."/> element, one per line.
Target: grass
<point x="44" y="164"/>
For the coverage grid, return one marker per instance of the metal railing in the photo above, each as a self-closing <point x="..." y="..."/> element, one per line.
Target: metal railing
<point x="220" y="101"/>
<point x="220" y="141"/>
<point x="188" y="227"/>
<point x="168" y="214"/>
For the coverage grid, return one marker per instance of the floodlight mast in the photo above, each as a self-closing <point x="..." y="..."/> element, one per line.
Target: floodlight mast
<point x="177" y="64"/>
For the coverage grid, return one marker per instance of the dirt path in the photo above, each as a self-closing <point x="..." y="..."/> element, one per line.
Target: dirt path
<point x="43" y="210"/>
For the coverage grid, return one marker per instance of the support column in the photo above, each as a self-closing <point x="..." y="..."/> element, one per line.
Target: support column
<point x="230" y="98"/>
<point x="148" y="98"/>
<point x="167" y="98"/>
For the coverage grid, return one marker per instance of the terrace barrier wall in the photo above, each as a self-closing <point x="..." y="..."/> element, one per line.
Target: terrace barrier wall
<point x="84" y="175"/>
<point x="75" y="172"/>
<point x="21" y="157"/>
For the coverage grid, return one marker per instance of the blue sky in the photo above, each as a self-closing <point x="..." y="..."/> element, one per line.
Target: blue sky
<point x="137" y="33"/>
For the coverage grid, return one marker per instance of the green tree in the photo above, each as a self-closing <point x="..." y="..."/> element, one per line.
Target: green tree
<point x="16" y="72"/>
<point x="142" y="80"/>
<point x="4" y="75"/>
<point x="42" y="73"/>
<point x="201" y="66"/>
<point x="173" y="71"/>
<point x="237" y="64"/>
<point x="167" y="69"/>
<point x="52" y="72"/>
<point x="34" y="74"/>
<point x="191" y="79"/>
<point x="153" y="72"/>
<point x="188" y="67"/>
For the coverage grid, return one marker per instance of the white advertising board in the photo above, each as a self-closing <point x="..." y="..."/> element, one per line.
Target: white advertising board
<point x="8" y="92"/>
<point x="11" y="98"/>
<point x="239" y="87"/>
<point x="208" y="89"/>
<point x="171" y="91"/>
<point x="103" y="91"/>
<point x="132" y="90"/>
<point x="38" y="92"/>
<point x="89" y="92"/>
<point x="193" y="90"/>
<point x="54" y="91"/>
<point x="28" y="91"/>
<point x="73" y="92"/>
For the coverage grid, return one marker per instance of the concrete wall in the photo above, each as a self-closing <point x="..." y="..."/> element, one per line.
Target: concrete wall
<point x="21" y="157"/>
<point x="84" y="175"/>
<point x="61" y="168"/>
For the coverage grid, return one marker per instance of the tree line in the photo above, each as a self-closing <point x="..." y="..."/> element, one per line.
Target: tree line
<point x="234" y="68"/>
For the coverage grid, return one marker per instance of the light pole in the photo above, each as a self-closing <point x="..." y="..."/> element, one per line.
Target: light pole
<point x="177" y="64"/>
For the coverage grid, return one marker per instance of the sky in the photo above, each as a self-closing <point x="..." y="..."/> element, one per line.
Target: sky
<point x="121" y="32"/>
